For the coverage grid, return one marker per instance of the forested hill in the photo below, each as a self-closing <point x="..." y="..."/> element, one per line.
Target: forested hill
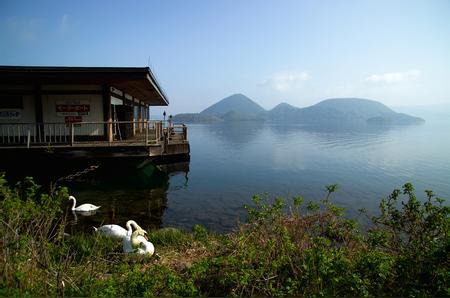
<point x="239" y="107"/>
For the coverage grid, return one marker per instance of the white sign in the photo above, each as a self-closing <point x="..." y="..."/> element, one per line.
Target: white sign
<point x="10" y="113"/>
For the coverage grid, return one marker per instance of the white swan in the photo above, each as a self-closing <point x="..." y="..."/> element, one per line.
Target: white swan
<point x="116" y="231"/>
<point x="140" y="244"/>
<point x="83" y="207"/>
<point x="126" y="241"/>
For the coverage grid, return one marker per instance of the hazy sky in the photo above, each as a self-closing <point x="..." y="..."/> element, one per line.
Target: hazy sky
<point x="300" y="52"/>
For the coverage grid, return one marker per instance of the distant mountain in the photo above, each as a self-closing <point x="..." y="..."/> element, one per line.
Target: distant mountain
<point x="238" y="107"/>
<point x="237" y="103"/>
<point x="282" y="112"/>
<point x="398" y="118"/>
<point x="341" y="110"/>
<point x="236" y="116"/>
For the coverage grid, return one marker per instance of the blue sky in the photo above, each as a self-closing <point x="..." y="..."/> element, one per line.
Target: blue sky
<point x="300" y="52"/>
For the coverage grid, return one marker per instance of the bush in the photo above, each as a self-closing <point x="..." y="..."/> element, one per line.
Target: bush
<point x="318" y="252"/>
<point x="417" y="234"/>
<point x="298" y="249"/>
<point x="31" y="223"/>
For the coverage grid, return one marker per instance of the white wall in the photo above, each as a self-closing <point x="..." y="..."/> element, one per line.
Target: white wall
<point x="27" y="114"/>
<point x="95" y="113"/>
<point x="49" y="102"/>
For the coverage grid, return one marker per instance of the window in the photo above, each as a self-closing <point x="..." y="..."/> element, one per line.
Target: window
<point x="11" y="102"/>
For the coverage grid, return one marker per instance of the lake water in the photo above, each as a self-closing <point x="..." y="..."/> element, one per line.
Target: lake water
<point x="231" y="162"/>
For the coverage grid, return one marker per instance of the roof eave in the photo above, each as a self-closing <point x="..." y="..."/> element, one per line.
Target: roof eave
<point x="158" y="89"/>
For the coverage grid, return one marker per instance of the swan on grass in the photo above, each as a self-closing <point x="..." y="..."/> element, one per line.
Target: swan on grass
<point x="126" y="241"/>
<point x="83" y="207"/>
<point x="139" y="243"/>
<point x="116" y="231"/>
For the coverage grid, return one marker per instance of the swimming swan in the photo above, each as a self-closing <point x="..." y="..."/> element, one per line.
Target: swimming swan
<point x="83" y="207"/>
<point x="140" y="244"/>
<point x="116" y="231"/>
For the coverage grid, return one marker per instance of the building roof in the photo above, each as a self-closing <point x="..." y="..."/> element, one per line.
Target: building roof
<point x="136" y="81"/>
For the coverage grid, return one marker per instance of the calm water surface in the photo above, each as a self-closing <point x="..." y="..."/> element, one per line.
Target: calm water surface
<point x="229" y="163"/>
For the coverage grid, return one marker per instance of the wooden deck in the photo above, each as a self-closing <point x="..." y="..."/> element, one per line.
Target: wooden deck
<point x="148" y="138"/>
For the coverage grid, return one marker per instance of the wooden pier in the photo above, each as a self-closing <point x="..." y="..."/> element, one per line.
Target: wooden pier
<point x="152" y="139"/>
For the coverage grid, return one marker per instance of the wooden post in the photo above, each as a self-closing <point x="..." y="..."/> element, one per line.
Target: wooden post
<point x="107" y="113"/>
<point x="38" y="110"/>
<point x="158" y="127"/>
<point x="72" y="134"/>
<point x="140" y="117"/>
<point x="185" y="132"/>
<point x="166" y="141"/>
<point x="134" y="116"/>
<point x="28" y="139"/>
<point x="146" y="132"/>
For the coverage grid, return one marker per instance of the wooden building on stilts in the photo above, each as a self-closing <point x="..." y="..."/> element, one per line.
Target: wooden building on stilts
<point x="86" y="112"/>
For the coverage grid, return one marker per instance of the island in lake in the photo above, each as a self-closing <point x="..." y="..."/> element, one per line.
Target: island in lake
<point x="239" y="107"/>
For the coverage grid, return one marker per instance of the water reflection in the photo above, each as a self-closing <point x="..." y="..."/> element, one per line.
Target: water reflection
<point x="243" y="133"/>
<point x="125" y="191"/>
<point x="230" y="163"/>
<point x="235" y="134"/>
<point x="179" y="179"/>
<point x="124" y="188"/>
<point x="239" y="135"/>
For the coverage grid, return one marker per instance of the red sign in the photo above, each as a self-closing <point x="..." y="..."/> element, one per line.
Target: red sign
<point x="73" y="119"/>
<point x="73" y="108"/>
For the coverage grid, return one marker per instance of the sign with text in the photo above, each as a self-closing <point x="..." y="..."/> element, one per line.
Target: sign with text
<point x="10" y="113"/>
<point x="73" y="119"/>
<point x="73" y="108"/>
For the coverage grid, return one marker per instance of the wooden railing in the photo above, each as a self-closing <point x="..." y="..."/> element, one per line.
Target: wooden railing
<point x="34" y="133"/>
<point x="177" y="132"/>
<point x="94" y="133"/>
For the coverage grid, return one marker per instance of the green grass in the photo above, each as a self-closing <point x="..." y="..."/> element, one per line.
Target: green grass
<point x="311" y="250"/>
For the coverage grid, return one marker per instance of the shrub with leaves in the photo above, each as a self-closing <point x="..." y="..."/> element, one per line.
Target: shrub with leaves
<point x="295" y="249"/>
<point x="30" y="221"/>
<point x="316" y="251"/>
<point x="417" y="234"/>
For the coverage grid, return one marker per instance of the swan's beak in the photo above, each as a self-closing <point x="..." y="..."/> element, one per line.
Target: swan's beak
<point x="145" y="236"/>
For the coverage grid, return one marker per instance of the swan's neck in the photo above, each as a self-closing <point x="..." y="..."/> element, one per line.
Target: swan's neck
<point x="74" y="203"/>
<point x="131" y="223"/>
<point x="129" y="228"/>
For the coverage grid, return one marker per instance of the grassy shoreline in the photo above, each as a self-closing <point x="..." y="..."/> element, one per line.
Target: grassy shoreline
<point x="311" y="250"/>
